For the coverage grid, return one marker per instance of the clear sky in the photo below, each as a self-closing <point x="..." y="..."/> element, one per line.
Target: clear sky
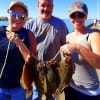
<point x="60" y="7"/>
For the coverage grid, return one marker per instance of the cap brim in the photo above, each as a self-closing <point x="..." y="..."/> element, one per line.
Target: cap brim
<point x="76" y="10"/>
<point x="19" y="4"/>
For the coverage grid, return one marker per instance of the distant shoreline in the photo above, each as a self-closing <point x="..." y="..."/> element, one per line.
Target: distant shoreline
<point x="89" y="23"/>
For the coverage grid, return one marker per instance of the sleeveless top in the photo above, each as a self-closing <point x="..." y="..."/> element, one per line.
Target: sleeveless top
<point x="50" y="36"/>
<point x="14" y="65"/>
<point x="85" y="77"/>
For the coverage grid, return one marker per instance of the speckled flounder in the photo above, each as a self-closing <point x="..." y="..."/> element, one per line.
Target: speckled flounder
<point x="49" y="77"/>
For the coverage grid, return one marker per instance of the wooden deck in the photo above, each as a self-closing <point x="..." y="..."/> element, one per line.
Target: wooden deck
<point x="95" y="25"/>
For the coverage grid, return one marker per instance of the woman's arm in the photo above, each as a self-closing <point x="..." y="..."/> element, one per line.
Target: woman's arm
<point x="23" y="49"/>
<point x="13" y="37"/>
<point x="33" y="44"/>
<point x="92" y="57"/>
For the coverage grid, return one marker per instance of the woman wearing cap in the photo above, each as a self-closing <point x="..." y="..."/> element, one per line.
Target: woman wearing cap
<point x="84" y="46"/>
<point x="14" y="52"/>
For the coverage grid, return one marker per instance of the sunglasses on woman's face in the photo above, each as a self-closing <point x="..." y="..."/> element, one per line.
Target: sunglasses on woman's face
<point x="19" y="15"/>
<point x="77" y="15"/>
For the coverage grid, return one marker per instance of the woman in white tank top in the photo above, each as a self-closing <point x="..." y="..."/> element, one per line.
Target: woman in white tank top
<point x="84" y="46"/>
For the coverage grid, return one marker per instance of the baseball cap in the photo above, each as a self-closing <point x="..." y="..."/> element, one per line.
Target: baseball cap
<point x="78" y="7"/>
<point x="18" y="3"/>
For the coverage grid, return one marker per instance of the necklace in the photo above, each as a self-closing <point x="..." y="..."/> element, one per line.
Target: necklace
<point x="2" y="70"/>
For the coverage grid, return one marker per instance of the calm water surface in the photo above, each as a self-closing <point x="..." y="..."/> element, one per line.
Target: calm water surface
<point x="67" y="22"/>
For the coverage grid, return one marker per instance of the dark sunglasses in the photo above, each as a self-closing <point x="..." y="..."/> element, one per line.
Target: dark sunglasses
<point x="19" y="15"/>
<point x="77" y="15"/>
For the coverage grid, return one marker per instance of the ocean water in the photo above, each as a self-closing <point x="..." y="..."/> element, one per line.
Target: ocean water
<point x="70" y="27"/>
<point x="67" y="22"/>
<point x="3" y="23"/>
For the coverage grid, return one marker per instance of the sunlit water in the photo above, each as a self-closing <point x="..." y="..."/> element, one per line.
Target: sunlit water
<point x="67" y="22"/>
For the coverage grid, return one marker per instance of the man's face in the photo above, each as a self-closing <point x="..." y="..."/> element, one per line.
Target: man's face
<point x="45" y="8"/>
